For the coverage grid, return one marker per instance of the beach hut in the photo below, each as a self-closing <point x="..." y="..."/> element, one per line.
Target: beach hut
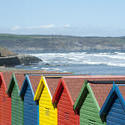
<point x="5" y="100"/>
<point x="16" y="101"/>
<point x="91" y="98"/>
<point x="31" y="108"/>
<point x="44" y="93"/>
<point x="113" y="109"/>
<point x="65" y="97"/>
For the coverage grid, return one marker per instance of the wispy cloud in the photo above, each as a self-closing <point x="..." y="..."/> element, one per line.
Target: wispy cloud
<point x="49" y="26"/>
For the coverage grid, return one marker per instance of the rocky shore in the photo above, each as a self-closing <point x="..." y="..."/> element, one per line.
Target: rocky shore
<point x="9" y="61"/>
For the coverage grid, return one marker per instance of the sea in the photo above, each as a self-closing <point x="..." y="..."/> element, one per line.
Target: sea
<point x="83" y="62"/>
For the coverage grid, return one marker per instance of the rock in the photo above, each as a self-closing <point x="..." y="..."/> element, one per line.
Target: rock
<point x="28" y="59"/>
<point x="11" y="61"/>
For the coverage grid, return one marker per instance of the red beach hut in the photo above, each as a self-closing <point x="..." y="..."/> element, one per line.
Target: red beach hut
<point x="65" y="97"/>
<point x="5" y="100"/>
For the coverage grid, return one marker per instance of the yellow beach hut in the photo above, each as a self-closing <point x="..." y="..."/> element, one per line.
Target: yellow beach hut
<point x="44" y="94"/>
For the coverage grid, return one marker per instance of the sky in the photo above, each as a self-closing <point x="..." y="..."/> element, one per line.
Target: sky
<point x="63" y="17"/>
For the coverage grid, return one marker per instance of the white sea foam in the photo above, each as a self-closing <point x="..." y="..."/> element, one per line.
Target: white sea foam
<point x="109" y="59"/>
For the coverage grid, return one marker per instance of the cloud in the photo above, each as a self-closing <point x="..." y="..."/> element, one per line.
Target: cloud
<point x="66" y="25"/>
<point x="49" y="26"/>
<point x="14" y="28"/>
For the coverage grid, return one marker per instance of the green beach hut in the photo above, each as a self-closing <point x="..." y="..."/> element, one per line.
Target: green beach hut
<point x="16" y="101"/>
<point x="90" y="100"/>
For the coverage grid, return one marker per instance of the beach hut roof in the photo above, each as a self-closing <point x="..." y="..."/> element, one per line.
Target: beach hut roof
<point x="50" y="82"/>
<point x="119" y="90"/>
<point x="72" y="86"/>
<point x="18" y="79"/>
<point x="99" y="87"/>
<point x="6" y="77"/>
<point x="101" y="91"/>
<point x="33" y="81"/>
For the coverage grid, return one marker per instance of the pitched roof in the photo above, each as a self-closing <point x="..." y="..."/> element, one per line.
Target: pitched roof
<point x="7" y="77"/>
<point x="100" y="87"/>
<point x="122" y="90"/>
<point x="20" y="77"/>
<point x="72" y="86"/>
<point x="119" y="90"/>
<point x="52" y="83"/>
<point x="34" y="80"/>
<point x="101" y="91"/>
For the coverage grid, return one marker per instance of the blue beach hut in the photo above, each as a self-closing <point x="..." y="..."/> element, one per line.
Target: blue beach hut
<point x="31" y="108"/>
<point x="113" y="109"/>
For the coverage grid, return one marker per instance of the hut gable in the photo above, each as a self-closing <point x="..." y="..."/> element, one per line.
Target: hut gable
<point x="16" y="102"/>
<point x="6" y="78"/>
<point x="91" y="99"/>
<point x="64" y="98"/>
<point x="113" y="109"/>
<point x="30" y="106"/>
<point x="16" y="80"/>
<point x="44" y="93"/>
<point x="72" y="86"/>
<point x="50" y="83"/>
<point x="32" y="81"/>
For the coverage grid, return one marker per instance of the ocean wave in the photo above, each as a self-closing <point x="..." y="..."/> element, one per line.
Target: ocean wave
<point x="109" y="59"/>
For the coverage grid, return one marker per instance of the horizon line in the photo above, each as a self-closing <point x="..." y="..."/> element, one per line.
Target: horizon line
<point x="30" y="34"/>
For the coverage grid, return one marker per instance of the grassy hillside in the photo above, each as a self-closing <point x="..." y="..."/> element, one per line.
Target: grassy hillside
<point x="47" y="43"/>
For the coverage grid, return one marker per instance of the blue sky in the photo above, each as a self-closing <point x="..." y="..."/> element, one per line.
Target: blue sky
<point x="63" y="17"/>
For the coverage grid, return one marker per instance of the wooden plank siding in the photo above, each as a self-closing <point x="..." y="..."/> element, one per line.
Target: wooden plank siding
<point x="66" y="115"/>
<point x="116" y="114"/>
<point x="5" y="100"/>
<point x="16" y="107"/>
<point x="44" y="94"/>
<point x="16" y="101"/>
<point x="47" y="112"/>
<point x="64" y="98"/>
<point x="30" y="108"/>
<point x="90" y="100"/>
<point x="5" y="107"/>
<point x="113" y="109"/>
<point x="88" y="112"/>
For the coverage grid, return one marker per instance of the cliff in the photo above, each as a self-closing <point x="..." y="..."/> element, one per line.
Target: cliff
<point x="52" y="43"/>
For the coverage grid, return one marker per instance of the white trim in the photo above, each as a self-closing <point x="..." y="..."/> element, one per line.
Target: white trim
<point x="47" y="87"/>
